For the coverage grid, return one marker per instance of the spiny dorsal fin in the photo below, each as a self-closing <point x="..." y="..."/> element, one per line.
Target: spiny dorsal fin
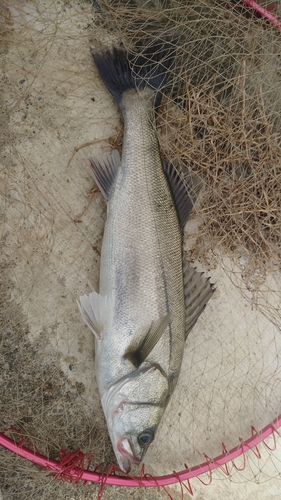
<point x="104" y="170"/>
<point x="184" y="194"/>
<point x="155" y="332"/>
<point x="93" y="310"/>
<point x="197" y="291"/>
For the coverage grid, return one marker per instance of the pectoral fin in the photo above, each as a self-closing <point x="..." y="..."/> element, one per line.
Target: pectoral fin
<point x="197" y="290"/>
<point x="155" y="332"/>
<point x="93" y="310"/>
<point x="104" y="170"/>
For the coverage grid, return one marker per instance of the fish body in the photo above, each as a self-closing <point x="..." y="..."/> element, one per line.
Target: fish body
<point x="141" y="257"/>
<point x="139" y="315"/>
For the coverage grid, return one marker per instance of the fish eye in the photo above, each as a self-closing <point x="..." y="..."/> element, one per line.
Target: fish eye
<point x="146" y="437"/>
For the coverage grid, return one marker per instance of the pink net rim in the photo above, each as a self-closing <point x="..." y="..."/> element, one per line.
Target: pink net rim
<point x="210" y="464"/>
<point x="260" y="11"/>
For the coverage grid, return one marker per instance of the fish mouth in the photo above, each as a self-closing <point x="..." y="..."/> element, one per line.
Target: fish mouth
<point x="125" y="448"/>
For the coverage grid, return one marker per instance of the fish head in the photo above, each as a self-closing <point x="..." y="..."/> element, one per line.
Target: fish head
<point x="133" y="408"/>
<point x="133" y="431"/>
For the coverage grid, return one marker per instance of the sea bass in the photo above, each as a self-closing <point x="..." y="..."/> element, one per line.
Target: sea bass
<point x="148" y="299"/>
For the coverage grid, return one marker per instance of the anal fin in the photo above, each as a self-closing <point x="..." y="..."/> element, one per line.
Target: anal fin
<point x="104" y="171"/>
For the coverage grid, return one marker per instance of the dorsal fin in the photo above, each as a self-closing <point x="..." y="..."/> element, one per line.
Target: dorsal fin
<point x="154" y="334"/>
<point x="197" y="291"/>
<point x="184" y="194"/>
<point x="104" y="170"/>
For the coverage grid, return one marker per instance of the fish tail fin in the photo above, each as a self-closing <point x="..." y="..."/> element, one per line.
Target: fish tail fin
<point x="121" y="71"/>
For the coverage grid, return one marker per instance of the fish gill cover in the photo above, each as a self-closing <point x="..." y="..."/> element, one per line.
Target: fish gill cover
<point x="219" y="119"/>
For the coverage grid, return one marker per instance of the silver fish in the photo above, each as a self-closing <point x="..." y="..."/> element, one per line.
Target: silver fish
<point x="148" y="300"/>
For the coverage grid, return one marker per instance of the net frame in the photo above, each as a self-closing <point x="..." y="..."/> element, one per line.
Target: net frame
<point x="71" y="473"/>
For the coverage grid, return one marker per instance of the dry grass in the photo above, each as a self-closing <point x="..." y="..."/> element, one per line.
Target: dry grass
<point x="235" y="151"/>
<point x="219" y="116"/>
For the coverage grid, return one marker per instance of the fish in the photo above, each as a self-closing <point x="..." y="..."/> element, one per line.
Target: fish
<point x="149" y="297"/>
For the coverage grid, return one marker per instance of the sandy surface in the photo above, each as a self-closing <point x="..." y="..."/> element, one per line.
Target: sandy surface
<point x="53" y="102"/>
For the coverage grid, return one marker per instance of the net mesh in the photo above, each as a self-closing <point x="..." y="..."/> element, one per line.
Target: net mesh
<point x="220" y="119"/>
<point x="221" y="113"/>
